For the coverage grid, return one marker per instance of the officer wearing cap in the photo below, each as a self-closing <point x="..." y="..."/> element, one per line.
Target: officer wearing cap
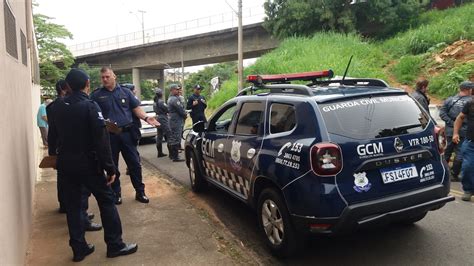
<point x="197" y="105"/>
<point x="83" y="154"/>
<point x="177" y="117"/>
<point x="161" y="111"/>
<point x="467" y="147"/>
<point x="62" y="90"/>
<point x="118" y="105"/>
<point x="448" y="112"/>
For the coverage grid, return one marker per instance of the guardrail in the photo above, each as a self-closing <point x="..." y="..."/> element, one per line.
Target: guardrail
<point x="250" y="15"/>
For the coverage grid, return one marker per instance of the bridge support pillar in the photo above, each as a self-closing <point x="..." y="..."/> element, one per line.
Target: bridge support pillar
<point x="161" y="82"/>
<point x="136" y="81"/>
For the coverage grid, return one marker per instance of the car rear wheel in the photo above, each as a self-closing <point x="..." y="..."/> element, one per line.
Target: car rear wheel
<point x="275" y="225"/>
<point x="198" y="183"/>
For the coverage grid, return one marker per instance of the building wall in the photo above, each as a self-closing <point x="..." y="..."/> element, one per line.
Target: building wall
<point x="19" y="146"/>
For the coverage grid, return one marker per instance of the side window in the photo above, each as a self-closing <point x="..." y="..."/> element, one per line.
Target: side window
<point x="221" y="123"/>
<point x="250" y="119"/>
<point x="282" y="118"/>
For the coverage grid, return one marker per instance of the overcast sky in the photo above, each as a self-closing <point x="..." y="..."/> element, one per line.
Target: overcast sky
<point x="89" y="20"/>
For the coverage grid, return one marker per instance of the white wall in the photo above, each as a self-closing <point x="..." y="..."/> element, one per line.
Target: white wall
<point x="18" y="142"/>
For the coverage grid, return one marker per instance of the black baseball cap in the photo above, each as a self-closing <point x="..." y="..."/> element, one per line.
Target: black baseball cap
<point x="77" y="79"/>
<point x="466" y="85"/>
<point x="197" y="87"/>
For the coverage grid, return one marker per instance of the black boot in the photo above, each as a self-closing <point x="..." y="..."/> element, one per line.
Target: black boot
<point x="176" y="153"/>
<point x="170" y="151"/>
<point x="455" y="170"/>
<point x="159" y="148"/>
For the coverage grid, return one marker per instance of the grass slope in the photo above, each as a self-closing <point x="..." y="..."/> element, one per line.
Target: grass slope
<point x="410" y="50"/>
<point x="323" y="51"/>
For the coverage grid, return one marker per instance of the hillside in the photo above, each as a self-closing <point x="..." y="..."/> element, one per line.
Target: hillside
<point x="431" y="49"/>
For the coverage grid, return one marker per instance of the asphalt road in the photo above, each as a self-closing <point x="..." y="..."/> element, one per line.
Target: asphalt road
<point x="444" y="237"/>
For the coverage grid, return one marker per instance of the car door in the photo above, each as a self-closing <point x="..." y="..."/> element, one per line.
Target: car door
<point x="243" y="145"/>
<point x="213" y="141"/>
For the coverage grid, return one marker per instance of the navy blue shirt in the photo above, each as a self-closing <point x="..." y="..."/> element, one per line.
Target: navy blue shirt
<point x="116" y="105"/>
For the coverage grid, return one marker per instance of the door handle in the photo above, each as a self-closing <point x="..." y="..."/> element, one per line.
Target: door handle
<point x="220" y="147"/>
<point x="250" y="153"/>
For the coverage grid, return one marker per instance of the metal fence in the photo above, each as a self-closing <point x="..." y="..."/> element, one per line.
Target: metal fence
<point x="187" y="28"/>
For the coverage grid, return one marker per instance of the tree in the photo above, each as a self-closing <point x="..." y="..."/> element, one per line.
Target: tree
<point x="203" y="77"/>
<point x="94" y="75"/>
<point x="55" y="58"/>
<point x="286" y="18"/>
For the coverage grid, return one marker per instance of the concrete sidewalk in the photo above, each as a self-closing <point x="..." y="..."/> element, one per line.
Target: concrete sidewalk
<point x="168" y="230"/>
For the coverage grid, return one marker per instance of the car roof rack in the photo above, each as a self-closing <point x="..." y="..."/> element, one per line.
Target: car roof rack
<point x="259" y="80"/>
<point x="278" y="88"/>
<point x="353" y="82"/>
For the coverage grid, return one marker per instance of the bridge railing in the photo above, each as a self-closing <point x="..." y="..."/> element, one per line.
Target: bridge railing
<point x="182" y="29"/>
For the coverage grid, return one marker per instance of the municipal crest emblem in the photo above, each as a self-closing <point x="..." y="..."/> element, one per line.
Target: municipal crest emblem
<point x="235" y="155"/>
<point x="361" y="182"/>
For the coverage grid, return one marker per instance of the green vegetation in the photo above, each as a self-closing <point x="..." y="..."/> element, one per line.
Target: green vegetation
<point x="48" y="36"/>
<point x="408" y="68"/>
<point x="435" y="28"/>
<point x="224" y="71"/>
<point x="372" y="18"/>
<point x="447" y="84"/>
<point x="323" y="51"/>
<point x="411" y="52"/>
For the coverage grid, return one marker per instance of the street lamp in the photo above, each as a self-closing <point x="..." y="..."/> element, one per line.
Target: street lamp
<point x="142" y="21"/>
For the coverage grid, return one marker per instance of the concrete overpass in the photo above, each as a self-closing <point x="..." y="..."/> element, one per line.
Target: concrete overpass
<point x="148" y="61"/>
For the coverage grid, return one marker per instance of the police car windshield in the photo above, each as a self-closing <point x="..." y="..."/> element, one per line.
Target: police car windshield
<point x="374" y="117"/>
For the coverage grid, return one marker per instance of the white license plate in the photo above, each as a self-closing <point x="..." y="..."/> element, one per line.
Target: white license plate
<point x="390" y="175"/>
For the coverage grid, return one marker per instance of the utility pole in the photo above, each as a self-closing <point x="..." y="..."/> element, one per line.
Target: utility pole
<point x="240" y="64"/>
<point x="182" y="72"/>
<point x="143" y="25"/>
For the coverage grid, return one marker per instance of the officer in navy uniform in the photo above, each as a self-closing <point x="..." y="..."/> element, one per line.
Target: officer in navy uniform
<point x="62" y="89"/>
<point x="161" y="111"/>
<point x="177" y="117"/>
<point x="118" y="105"/>
<point x="83" y="154"/>
<point x="197" y="105"/>
<point x="448" y="112"/>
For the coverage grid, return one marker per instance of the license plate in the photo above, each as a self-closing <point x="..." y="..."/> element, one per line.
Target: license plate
<point x="403" y="172"/>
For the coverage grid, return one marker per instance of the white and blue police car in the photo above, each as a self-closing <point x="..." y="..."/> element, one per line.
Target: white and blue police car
<point x="326" y="157"/>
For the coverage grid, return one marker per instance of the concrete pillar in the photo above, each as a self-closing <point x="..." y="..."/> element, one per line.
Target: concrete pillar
<point x="136" y="81"/>
<point x="161" y="82"/>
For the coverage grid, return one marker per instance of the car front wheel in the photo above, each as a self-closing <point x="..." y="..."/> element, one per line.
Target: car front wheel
<point x="198" y="183"/>
<point x="274" y="223"/>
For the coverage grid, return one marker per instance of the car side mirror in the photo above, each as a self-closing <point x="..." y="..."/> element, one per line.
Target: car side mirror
<point x="199" y="126"/>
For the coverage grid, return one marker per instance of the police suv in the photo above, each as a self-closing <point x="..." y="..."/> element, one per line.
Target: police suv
<point x="326" y="157"/>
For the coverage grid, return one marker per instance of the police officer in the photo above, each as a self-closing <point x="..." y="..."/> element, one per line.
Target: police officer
<point x="161" y="111"/>
<point x="177" y="117"/>
<point x="197" y="105"/>
<point x="467" y="148"/>
<point x="62" y="89"/>
<point x="83" y="154"/>
<point x="448" y="112"/>
<point x="118" y="104"/>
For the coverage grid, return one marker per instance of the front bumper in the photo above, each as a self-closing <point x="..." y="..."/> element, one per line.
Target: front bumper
<point x="148" y="132"/>
<point x="378" y="211"/>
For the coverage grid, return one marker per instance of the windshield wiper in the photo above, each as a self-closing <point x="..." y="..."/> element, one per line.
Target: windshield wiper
<point x="396" y="130"/>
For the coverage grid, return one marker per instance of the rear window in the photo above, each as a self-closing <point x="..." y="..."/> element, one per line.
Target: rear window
<point x="374" y="117"/>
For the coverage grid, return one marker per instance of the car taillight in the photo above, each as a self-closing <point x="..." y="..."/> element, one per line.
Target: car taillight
<point x="326" y="159"/>
<point x="441" y="138"/>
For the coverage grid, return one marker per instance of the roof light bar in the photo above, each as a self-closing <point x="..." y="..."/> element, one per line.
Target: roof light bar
<point x="305" y="76"/>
